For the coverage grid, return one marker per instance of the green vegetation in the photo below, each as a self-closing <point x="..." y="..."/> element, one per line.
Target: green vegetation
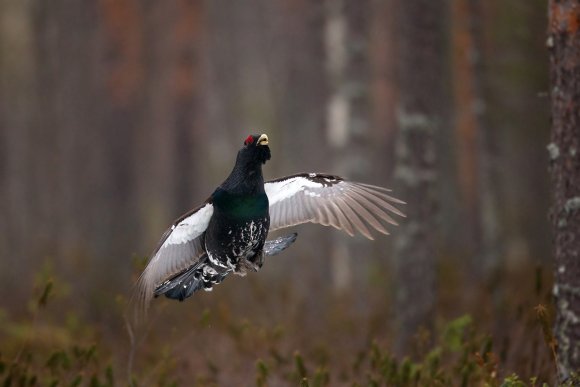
<point x="224" y="344"/>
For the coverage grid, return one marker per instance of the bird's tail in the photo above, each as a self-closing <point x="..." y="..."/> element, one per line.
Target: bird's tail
<point x="202" y="275"/>
<point x="276" y="246"/>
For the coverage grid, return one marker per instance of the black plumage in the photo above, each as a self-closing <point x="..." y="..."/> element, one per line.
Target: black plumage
<point x="228" y="232"/>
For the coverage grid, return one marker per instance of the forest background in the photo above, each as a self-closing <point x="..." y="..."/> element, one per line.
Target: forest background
<point x="116" y="116"/>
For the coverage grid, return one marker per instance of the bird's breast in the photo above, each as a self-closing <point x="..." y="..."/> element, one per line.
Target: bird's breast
<point x="240" y="208"/>
<point x="227" y="242"/>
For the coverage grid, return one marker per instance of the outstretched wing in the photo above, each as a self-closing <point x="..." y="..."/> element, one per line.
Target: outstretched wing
<point x="330" y="201"/>
<point x="179" y="248"/>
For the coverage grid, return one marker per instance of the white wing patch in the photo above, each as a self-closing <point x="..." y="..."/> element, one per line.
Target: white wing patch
<point x="180" y="247"/>
<point x="190" y="227"/>
<point x="284" y="189"/>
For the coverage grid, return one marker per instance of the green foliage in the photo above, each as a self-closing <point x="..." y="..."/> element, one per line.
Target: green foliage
<point x="321" y="378"/>
<point x="513" y="381"/>
<point x="262" y="373"/>
<point x="62" y="367"/>
<point x="54" y="346"/>
<point x="45" y="293"/>
<point x="300" y="367"/>
<point x="453" y="334"/>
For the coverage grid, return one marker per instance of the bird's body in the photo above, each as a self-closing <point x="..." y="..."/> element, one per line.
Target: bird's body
<point x="228" y="232"/>
<point x="238" y="229"/>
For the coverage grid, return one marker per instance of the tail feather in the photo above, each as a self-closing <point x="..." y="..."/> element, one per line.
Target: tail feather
<point x="276" y="246"/>
<point x="202" y="275"/>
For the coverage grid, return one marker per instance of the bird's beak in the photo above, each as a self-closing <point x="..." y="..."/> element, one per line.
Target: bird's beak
<point x="263" y="140"/>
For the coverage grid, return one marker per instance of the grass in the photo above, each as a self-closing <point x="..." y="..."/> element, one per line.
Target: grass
<point x="263" y="334"/>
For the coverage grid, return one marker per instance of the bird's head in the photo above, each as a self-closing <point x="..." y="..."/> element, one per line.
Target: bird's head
<point x="255" y="149"/>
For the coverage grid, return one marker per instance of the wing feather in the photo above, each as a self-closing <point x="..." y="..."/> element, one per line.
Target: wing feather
<point x="383" y="200"/>
<point x="332" y="219"/>
<point x="179" y="248"/>
<point x="319" y="211"/>
<point x="331" y="201"/>
<point x="374" y="212"/>
<point x="367" y="216"/>
<point x="342" y="219"/>
<point x="365" y="200"/>
<point x="354" y="218"/>
<point x="383" y="189"/>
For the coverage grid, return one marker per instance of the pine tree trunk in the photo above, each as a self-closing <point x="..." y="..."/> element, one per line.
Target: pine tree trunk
<point x="475" y="143"/>
<point x="348" y="116"/>
<point x="421" y="71"/>
<point x="490" y="243"/>
<point x="564" y="44"/>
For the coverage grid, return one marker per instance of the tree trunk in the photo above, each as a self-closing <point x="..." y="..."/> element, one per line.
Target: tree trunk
<point x="490" y="243"/>
<point x="348" y="113"/>
<point x="564" y="44"/>
<point x="420" y="113"/>
<point x="476" y="149"/>
<point x="17" y="93"/>
<point x="466" y="125"/>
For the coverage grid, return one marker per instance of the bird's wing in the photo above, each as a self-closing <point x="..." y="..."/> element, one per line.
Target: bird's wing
<point x="180" y="247"/>
<point x="330" y="201"/>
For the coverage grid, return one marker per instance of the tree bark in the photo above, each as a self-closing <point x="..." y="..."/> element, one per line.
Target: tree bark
<point x="564" y="45"/>
<point x="420" y="113"/>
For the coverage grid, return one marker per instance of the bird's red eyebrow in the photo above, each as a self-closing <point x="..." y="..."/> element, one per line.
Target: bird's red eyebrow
<point x="249" y="140"/>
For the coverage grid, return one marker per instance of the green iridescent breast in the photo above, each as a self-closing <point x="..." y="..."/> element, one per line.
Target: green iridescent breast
<point x="241" y="207"/>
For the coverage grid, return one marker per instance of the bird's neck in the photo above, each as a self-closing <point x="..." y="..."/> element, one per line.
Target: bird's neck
<point x="242" y="194"/>
<point x="245" y="180"/>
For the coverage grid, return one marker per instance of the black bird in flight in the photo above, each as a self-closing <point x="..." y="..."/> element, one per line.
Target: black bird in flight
<point x="227" y="234"/>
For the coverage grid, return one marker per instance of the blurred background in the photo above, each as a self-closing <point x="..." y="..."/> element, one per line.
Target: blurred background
<point x="117" y="116"/>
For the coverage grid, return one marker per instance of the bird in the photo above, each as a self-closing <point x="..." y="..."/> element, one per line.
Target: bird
<point x="227" y="233"/>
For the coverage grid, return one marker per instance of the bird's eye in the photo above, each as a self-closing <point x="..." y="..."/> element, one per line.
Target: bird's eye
<point x="249" y="140"/>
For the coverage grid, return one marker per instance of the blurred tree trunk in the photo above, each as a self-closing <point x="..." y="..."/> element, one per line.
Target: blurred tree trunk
<point x="17" y="118"/>
<point x="564" y="43"/>
<point x="476" y="148"/>
<point x="383" y="35"/>
<point x="295" y="51"/>
<point x="115" y="192"/>
<point x="348" y="113"/>
<point x="171" y="138"/>
<point x="189" y="111"/>
<point x="516" y="72"/>
<point x="489" y="242"/>
<point x="467" y="124"/>
<point x="421" y="53"/>
<point x="487" y="249"/>
<point x="65" y="34"/>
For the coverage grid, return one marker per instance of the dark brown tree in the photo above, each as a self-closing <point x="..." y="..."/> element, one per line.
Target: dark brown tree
<point x="421" y="95"/>
<point x="564" y="44"/>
